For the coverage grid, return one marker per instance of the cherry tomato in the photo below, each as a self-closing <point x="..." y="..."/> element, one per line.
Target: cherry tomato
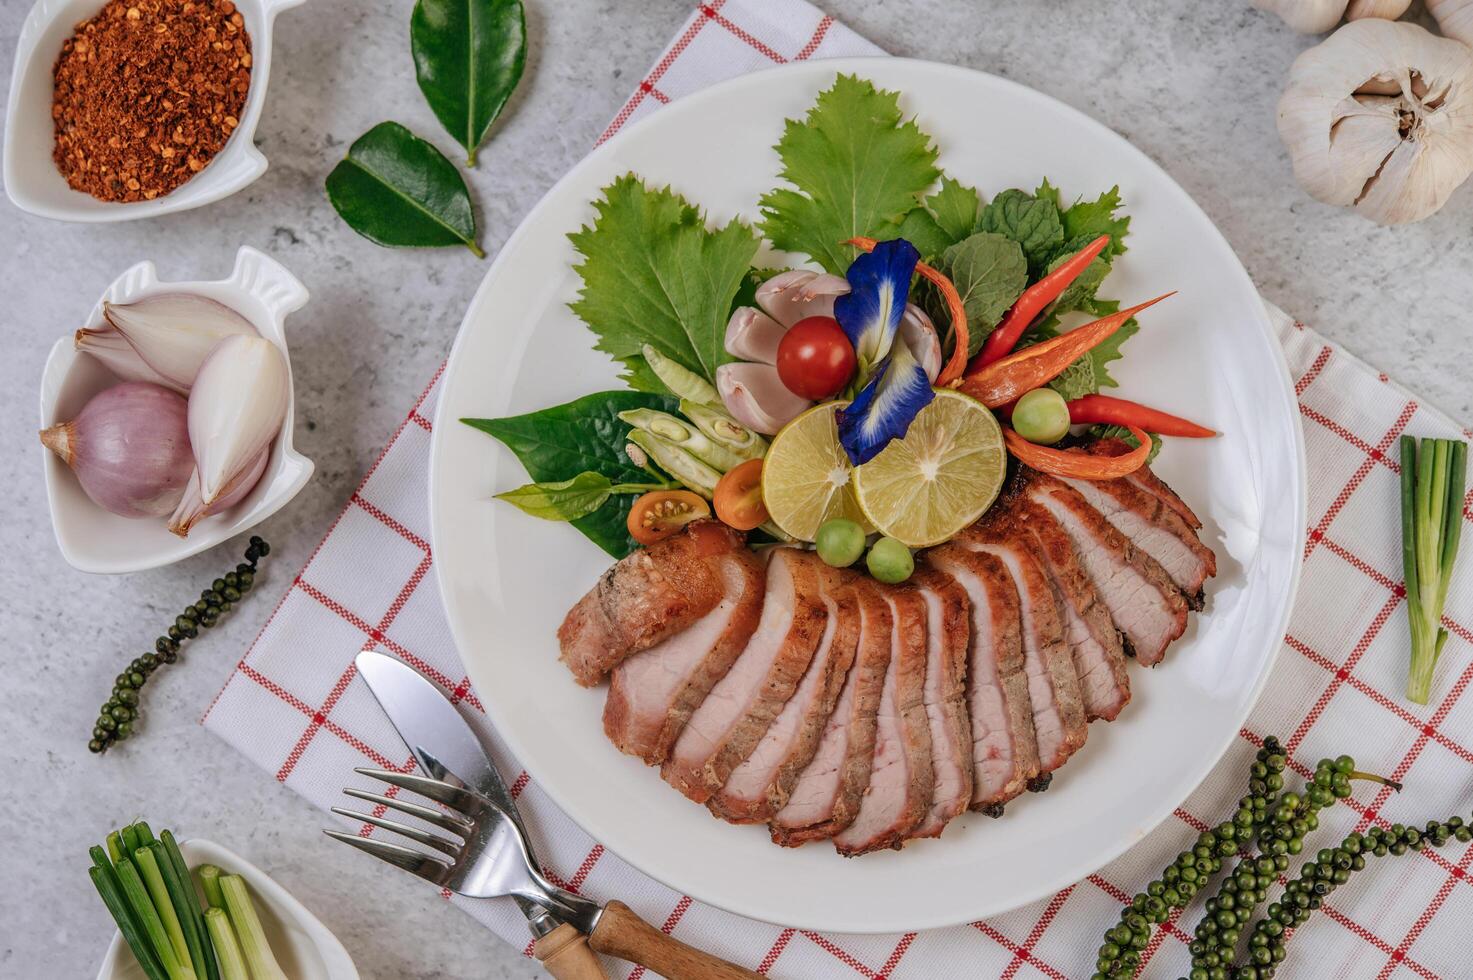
<point x="739" y="496"/>
<point x="660" y="513"/>
<point x="815" y="359"/>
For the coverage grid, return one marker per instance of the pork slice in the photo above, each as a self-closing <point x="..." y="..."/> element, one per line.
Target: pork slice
<point x="726" y="726"/>
<point x="1004" y="747"/>
<point x="652" y="694"/>
<point x="948" y="636"/>
<point x="1093" y="640"/>
<point x="760" y="786"/>
<point x="1147" y="607"/>
<point x="1053" y="684"/>
<point x="1155" y="529"/>
<point x="827" y="794"/>
<point x="645" y="597"/>
<point x="1147" y="480"/>
<point x="901" y="781"/>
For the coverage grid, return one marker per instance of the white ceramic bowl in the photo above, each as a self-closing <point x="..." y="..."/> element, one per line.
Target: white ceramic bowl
<point x="31" y="178"/>
<point x="303" y="946"/>
<point x="93" y="540"/>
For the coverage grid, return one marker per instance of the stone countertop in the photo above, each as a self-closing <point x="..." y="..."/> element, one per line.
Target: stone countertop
<point x="1193" y="84"/>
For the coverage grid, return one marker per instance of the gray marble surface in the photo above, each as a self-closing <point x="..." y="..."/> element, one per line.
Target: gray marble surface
<point x="1191" y="82"/>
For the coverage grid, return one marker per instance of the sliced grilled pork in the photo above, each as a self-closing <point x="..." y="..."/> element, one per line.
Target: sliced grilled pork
<point x="648" y="596"/>
<point x="827" y="795"/>
<point x="901" y="781"/>
<point x="652" y="694"/>
<point x="1093" y="640"/>
<point x="948" y="635"/>
<point x="725" y="728"/>
<point x="1154" y="528"/>
<point x="1004" y="748"/>
<point x="760" y="786"/>
<point x="1147" y="481"/>
<point x="1145" y="604"/>
<point x="1053" y="685"/>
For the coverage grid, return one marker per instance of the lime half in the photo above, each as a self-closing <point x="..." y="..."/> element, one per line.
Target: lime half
<point x="806" y="478"/>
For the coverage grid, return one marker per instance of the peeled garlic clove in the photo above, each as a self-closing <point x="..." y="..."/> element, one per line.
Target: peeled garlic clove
<point x="1384" y="9"/>
<point x="191" y="509"/>
<point x="175" y="332"/>
<point x="919" y="334"/>
<point x="110" y="347"/>
<point x="1306" y="16"/>
<point x="790" y="296"/>
<point x="753" y="335"/>
<point x="1379" y="117"/>
<point x="235" y="410"/>
<point x="757" y="398"/>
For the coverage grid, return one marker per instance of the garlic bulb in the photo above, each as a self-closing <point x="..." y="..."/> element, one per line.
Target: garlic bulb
<point x="1384" y="9"/>
<point x="1454" y="17"/>
<point x="1306" y="16"/>
<point x="1379" y="117"/>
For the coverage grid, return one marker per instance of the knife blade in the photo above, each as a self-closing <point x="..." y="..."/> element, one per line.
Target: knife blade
<point x="445" y="746"/>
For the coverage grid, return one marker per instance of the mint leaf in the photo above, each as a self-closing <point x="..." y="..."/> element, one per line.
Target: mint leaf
<point x="989" y="273"/>
<point x="1034" y="223"/>
<point x="561" y="442"/>
<point x="1089" y="220"/>
<point x="1125" y="436"/>
<point x="955" y="207"/>
<point x="653" y="274"/>
<point x="856" y="166"/>
<point x="564" y="500"/>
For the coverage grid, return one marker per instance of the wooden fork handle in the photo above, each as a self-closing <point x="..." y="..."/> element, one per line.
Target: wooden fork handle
<point x="623" y="934"/>
<point x="565" y="954"/>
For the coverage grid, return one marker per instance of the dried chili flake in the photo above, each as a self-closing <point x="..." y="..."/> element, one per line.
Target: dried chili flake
<point x="139" y="80"/>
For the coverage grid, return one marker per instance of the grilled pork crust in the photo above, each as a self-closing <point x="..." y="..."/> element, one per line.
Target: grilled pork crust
<point x="653" y="693"/>
<point x="760" y="786"/>
<point x="647" y="596"/>
<point x="827" y="795"/>
<point x="949" y="636"/>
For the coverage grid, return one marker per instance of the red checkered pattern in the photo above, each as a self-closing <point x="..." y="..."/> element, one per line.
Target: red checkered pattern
<point x="293" y="707"/>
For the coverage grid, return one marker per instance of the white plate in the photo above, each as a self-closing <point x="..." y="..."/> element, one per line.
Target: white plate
<point x="508" y="579"/>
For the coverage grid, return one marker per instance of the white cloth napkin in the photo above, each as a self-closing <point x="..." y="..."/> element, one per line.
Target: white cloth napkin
<point x="294" y="707"/>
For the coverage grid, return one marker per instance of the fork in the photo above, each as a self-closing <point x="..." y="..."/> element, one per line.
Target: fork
<point x="489" y="859"/>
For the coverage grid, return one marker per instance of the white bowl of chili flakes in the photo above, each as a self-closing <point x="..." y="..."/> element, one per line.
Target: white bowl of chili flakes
<point x="32" y="178"/>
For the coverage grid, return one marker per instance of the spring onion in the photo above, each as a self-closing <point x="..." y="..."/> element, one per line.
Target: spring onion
<point x="209" y="881"/>
<point x="105" y="878"/>
<point x="248" y="930"/>
<point x="186" y="904"/>
<point x="1433" y="479"/>
<point x="227" y="949"/>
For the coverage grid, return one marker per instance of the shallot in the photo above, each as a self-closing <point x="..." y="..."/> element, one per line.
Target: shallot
<point x="129" y="448"/>
<point x="174" y="332"/>
<point x="119" y="357"/>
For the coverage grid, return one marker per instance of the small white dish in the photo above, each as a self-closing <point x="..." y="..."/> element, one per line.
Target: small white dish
<point x="93" y="540"/>
<point x="31" y="178"/>
<point x="303" y="946"/>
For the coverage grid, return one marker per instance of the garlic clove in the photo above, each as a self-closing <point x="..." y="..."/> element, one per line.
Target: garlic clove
<point x="753" y="335"/>
<point x="235" y="410"/>
<point x="191" y="508"/>
<point x="790" y="296"/>
<point x="1384" y="9"/>
<point x="174" y="332"/>
<point x="1306" y="16"/>
<point x="919" y="334"/>
<point x="119" y="357"/>
<point x="1454" y="18"/>
<point x="756" y="397"/>
<point x="1379" y="117"/>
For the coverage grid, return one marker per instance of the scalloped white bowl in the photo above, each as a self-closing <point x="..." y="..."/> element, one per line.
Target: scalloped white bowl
<point x="93" y="540"/>
<point x="303" y="946"/>
<point x="31" y="178"/>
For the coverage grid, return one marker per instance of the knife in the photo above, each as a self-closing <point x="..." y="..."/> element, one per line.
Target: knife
<point x="447" y="748"/>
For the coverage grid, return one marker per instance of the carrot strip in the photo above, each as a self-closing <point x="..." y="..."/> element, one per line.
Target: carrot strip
<point x="1005" y="336"/>
<point x="1108" y="410"/>
<point x="1082" y="466"/>
<point x="1010" y="378"/>
<point x="958" y="360"/>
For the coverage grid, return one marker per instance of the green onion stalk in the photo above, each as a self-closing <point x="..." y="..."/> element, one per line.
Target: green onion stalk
<point x="253" y="944"/>
<point x="1433" y="481"/>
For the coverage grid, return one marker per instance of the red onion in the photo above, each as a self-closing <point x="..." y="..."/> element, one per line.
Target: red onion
<point x="129" y="448"/>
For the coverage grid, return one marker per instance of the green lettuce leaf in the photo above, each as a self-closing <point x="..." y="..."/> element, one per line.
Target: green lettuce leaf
<point x="564" y="441"/>
<point x="654" y="274"/>
<point x="856" y="166"/>
<point x="989" y="273"/>
<point x="1033" y="222"/>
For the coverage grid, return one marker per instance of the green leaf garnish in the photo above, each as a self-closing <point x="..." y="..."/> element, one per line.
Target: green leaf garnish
<point x="468" y="59"/>
<point x="653" y="274"/>
<point x="956" y="208"/>
<point x="561" y="500"/>
<point x="1033" y="222"/>
<point x="395" y="189"/>
<point x="1125" y="436"/>
<point x="856" y="166"/>
<point x="989" y="273"/>
<point x="1088" y="220"/>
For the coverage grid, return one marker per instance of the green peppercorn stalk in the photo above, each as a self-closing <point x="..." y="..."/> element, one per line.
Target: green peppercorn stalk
<point x="116" y="720"/>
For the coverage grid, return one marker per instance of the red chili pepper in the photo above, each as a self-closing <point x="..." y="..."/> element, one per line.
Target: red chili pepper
<point x="1004" y="338"/>
<point x="1072" y="463"/>
<point x="1106" y="410"/>
<point x="958" y="360"/>
<point x="1007" y="380"/>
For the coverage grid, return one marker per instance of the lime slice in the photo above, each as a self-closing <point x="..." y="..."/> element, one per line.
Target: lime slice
<point x="947" y="470"/>
<point x="806" y="478"/>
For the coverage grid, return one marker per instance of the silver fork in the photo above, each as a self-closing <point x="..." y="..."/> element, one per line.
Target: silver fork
<point x="489" y="859"/>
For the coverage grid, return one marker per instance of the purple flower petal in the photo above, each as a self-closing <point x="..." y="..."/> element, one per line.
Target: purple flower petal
<point x="884" y="408"/>
<point x="870" y="312"/>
